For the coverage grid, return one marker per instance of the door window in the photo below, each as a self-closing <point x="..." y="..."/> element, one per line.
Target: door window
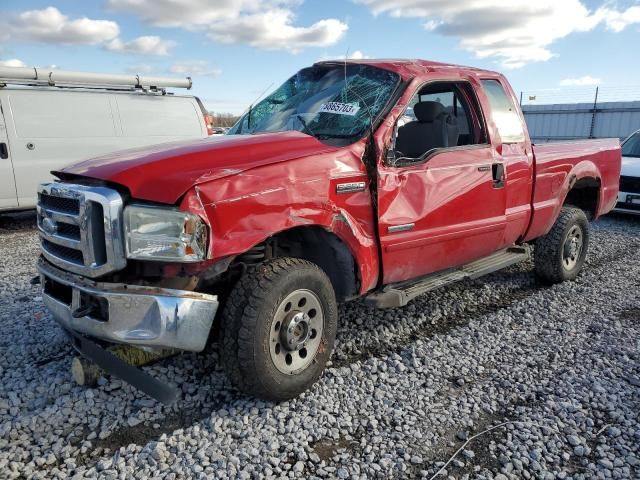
<point x="439" y="116"/>
<point x="504" y="113"/>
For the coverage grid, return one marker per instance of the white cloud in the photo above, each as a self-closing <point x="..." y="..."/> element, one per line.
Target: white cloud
<point x="357" y="55"/>
<point x="515" y="32"/>
<point x="50" y="25"/>
<point x="618" y="21"/>
<point x="188" y="13"/>
<point x="273" y="31"/>
<point x="12" y="62"/>
<point x="146" y="45"/>
<point x="580" y="82"/>
<point x="15" y="62"/>
<point x="267" y="24"/>
<point x="200" y="68"/>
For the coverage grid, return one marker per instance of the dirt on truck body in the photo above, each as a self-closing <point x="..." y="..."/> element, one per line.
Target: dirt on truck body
<point x="375" y="178"/>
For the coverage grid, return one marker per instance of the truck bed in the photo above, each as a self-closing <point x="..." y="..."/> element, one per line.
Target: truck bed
<point x="559" y="165"/>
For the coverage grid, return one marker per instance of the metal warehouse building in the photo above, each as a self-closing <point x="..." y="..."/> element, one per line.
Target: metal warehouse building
<point x="549" y="123"/>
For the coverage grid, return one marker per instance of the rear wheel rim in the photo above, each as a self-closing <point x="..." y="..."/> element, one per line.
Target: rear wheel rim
<point x="572" y="248"/>
<point x="296" y="331"/>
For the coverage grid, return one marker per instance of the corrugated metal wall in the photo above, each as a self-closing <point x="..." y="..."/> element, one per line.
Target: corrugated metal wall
<point x="580" y="120"/>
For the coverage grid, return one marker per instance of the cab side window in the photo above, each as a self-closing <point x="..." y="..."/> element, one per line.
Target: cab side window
<point x="504" y="113"/>
<point x="440" y="115"/>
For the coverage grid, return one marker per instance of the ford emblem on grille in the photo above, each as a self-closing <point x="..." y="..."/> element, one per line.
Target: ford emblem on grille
<point x="49" y="226"/>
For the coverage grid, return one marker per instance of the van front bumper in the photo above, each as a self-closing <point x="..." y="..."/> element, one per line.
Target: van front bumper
<point x="628" y="203"/>
<point x="129" y="314"/>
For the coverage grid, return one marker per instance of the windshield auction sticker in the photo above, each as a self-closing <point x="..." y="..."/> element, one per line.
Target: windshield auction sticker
<point x="339" y="108"/>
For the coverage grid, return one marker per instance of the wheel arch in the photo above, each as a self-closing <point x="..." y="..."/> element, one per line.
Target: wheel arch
<point x="581" y="186"/>
<point x="326" y="249"/>
<point x="321" y="246"/>
<point x="584" y="192"/>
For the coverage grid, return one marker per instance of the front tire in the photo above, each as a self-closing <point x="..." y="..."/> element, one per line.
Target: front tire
<point x="278" y="328"/>
<point x="560" y="254"/>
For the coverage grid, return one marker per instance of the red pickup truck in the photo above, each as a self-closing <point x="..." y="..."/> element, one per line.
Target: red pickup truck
<point x="380" y="179"/>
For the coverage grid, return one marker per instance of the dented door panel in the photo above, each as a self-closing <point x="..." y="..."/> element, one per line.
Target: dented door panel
<point x="456" y="213"/>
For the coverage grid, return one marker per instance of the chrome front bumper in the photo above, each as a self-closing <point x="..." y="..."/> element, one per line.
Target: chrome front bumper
<point x="130" y="314"/>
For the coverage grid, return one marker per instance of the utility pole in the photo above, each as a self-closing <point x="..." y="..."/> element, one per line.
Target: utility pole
<point x="593" y="114"/>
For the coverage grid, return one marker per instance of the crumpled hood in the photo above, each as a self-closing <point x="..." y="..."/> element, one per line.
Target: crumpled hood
<point x="163" y="173"/>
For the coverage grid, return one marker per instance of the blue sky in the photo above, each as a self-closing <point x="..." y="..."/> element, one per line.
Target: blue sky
<point x="234" y="49"/>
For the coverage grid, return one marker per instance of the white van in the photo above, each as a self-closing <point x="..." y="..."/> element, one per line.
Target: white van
<point x="51" y="119"/>
<point x="629" y="194"/>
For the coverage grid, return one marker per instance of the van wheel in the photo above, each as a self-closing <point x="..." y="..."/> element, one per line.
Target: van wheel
<point x="278" y="329"/>
<point x="559" y="255"/>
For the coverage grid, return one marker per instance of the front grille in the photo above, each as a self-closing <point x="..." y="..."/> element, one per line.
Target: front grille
<point x="68" y="231"/>
<point x="60" y="251"/>
<point x="630" y="184"/>
<point x="80" y="228"/>
<point x="59" y="204"/>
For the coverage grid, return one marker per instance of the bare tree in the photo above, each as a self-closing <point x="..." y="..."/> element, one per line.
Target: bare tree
<point x="223" y="119"/>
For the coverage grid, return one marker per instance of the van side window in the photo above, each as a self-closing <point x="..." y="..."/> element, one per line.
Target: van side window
<point x="504" y="113"/>
<point x="440" y="115"/>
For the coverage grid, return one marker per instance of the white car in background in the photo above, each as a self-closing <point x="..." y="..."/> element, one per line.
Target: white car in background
<point x="629" y="196"/>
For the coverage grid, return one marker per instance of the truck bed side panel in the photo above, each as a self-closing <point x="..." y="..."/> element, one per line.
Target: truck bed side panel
<point x="559" y="165"/>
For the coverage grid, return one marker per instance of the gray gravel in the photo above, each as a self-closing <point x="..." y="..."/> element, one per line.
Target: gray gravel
<point x="558" y="368"/>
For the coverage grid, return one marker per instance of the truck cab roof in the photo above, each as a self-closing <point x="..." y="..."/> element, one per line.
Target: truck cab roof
<point x="409" y="68"/>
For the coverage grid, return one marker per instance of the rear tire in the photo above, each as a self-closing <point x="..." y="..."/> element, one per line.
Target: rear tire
<point x="278" y="329"/>
<point x="560" y="254"/>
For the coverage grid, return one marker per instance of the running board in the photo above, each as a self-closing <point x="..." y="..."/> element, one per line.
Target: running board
<point x="399" y="294"/>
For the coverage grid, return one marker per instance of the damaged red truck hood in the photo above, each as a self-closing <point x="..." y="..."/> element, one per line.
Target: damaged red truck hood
<point x="163" y="173"/>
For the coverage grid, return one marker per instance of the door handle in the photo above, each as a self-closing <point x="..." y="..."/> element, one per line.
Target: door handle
<point x="497" y="172"/>
<point x="4" y="151"/>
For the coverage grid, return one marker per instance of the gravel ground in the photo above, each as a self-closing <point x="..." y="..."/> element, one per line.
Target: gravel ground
<point x="543" y="382"/>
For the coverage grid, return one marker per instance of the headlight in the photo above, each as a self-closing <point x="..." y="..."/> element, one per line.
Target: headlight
<point x="164" y="234"/>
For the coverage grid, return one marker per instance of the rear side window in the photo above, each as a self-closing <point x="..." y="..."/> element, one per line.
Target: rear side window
<point x="156" y="116"/>
<point x="504" y="113"/>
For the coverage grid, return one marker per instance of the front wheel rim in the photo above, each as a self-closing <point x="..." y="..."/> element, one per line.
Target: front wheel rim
<point x="572" y="248"/>
<point x="296" y="331"/>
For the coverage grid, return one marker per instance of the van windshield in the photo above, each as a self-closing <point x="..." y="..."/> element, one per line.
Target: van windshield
<point x="325" y="101"/>
<point x="631" y="147"/>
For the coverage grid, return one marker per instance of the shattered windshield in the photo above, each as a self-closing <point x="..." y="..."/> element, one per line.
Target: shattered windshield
<point x="325" y="101"/>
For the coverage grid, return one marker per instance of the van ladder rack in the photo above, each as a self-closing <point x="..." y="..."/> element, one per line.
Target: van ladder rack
<point x="62" y="78"/>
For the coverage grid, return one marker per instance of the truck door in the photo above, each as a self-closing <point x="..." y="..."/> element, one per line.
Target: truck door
<point x="512" y="149"/>
<point x="441" y="198"/>
<point x="8" y="194"/>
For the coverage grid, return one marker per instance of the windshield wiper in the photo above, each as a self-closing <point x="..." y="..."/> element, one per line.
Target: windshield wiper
<point x="326" y="135"/>
<point x="305" y="126"/>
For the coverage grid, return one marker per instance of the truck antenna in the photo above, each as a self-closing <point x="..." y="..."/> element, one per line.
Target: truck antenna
<point x="250" y="109"/>
<point x="346" y="91"/>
